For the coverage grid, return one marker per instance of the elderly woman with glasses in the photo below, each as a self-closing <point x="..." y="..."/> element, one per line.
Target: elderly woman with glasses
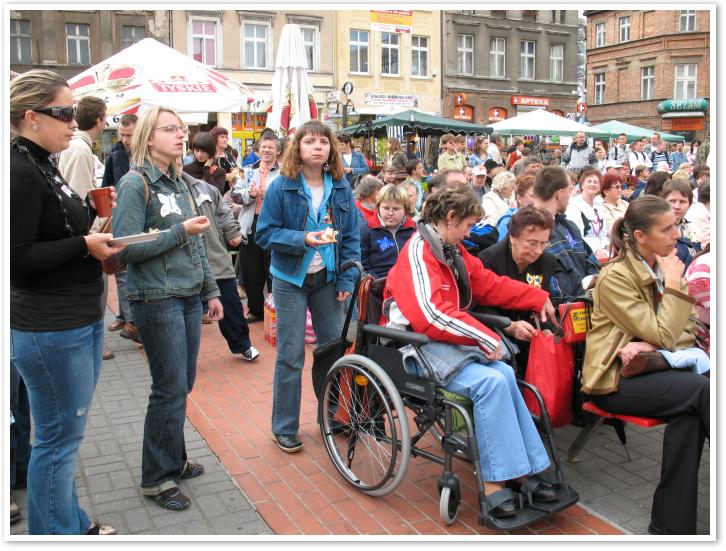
<point x="613" y="204"/>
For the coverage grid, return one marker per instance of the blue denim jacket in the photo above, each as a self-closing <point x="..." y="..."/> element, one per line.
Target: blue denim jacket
<point x="175" y="265"/>
<point x="281" y="227"/>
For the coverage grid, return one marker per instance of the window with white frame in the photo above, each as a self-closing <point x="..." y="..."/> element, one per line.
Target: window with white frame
<point x="497" y="53"/>
<point x="688" y="20"/>
<point x="599" y="88"/>
<point x="390" y="46"/>
<point x="131" y="35"/>
<point x="557" y="62"/>
<point x="358" y="51"/>
<point x="599" y="35"/>
<point x="204" y="41"/>
<point x="624" y="29"/>
<point x="465" y="54"/>
<point x="527" y="57"/>
<point x="685" y="81"/>
<point x="647" y="82"/>
<point x="420" y="56"/>
<point x="78" y="43"/>
<point x="254" y="39"/>
<point x="20" y="41"/>
<point x="310" y="36"/>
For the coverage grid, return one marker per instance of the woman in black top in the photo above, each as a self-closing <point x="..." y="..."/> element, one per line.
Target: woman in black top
<point x="203" y="166"/>
<point x="522" y="256"/>
<point x="56" y="322"/>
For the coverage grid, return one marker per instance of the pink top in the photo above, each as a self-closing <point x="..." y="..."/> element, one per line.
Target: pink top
<point x="698" y="277"/>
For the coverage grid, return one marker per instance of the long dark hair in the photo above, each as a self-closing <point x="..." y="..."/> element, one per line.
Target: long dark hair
<point x="640" y="215"/>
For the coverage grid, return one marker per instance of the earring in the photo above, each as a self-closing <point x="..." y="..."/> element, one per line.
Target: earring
<point x="35" y="128"/>
<point x="326" y="166"/>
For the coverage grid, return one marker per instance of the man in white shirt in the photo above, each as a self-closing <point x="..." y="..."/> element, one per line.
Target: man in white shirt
<point x="493" y="152"/>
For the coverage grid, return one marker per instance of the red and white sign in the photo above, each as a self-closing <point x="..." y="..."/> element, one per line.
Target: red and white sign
<point x="460" y="99"/>
<point x="581" y="107"/>
<point x="496" y="114"/>
<point x="464" y="113"/>
<point x="530" y="101"/>
<point x="183" y="87"/>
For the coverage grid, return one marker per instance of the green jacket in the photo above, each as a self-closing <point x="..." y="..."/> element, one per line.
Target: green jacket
<point x="625" y="310"/>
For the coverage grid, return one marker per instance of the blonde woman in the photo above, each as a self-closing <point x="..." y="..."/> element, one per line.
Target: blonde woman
<point x="498" y="200"/>
<point x="165" y="280"/>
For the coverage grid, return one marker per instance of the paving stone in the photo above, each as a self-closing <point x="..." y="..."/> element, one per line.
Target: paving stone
<point x="138" y="521"/>
<point x="98" y="483"/>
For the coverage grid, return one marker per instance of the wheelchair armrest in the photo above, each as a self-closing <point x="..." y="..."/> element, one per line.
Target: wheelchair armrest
<point x="584" y="298"/>
<point x="492" y="321"/>
<point x="404" y="337"/>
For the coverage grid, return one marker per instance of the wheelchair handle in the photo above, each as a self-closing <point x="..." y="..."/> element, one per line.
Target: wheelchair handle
<point x="348" y="264"/>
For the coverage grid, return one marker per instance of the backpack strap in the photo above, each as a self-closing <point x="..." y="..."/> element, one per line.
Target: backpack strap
<point x="147" y="193"/>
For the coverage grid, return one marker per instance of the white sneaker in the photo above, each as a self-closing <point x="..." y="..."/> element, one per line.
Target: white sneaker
<point x="250" y="354"/>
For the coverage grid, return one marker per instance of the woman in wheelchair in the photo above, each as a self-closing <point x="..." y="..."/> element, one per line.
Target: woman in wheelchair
<point x="643" y="324"/>
<point x="428" y="291"/>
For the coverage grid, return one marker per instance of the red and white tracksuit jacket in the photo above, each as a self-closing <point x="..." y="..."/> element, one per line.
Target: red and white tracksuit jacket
<point x="421" y="292"/>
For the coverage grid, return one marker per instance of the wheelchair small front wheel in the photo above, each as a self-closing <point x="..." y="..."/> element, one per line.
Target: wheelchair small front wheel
<point x="449" y="504"/>
<point x="364" y="425"/>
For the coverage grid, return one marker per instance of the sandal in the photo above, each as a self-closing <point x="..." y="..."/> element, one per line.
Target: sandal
<point x="98" y="529"/>
<point x="192" y="470"/>
<point x="172" y="499"/>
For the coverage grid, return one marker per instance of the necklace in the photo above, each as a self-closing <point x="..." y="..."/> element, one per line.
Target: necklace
<point x="57" y="185"/>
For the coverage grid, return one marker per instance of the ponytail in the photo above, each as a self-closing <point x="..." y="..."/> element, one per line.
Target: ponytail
<point x="640" y="215"/>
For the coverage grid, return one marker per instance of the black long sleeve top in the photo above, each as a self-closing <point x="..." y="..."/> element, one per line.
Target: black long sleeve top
<point x="54" y="284"/>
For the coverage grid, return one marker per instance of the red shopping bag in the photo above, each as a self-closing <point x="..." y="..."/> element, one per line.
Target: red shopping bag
<point x="551" y="368"/>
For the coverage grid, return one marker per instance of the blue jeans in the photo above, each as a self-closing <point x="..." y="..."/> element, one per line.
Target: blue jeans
<point x="291" y="303"/>
<point x="124" y="310"/>
<point x="60" y="370"/>
<point x="170" y="330"/>
<point x="507" y="438"/>
<point x="20" y="430"/>
<point x="233" y="325"/>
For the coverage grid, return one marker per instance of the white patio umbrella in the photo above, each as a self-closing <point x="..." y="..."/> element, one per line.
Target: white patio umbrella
<point x="292" y="94"/>
<point x="148" y="74"/>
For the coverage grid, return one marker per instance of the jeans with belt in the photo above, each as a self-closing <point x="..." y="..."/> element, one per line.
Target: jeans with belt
<point x="507" y="438"/>
<point x="170" y="330"/>
<point x="60" y="370"/>
<point x="291" y="304"/>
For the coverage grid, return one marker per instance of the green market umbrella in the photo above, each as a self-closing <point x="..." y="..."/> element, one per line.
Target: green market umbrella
<point x="615" y="128"/>
<point x="413" y="121"/>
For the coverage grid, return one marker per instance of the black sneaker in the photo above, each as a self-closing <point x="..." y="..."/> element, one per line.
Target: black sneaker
<point x="172" y="499"/>
<point x="192" y="470"/>
<point x="250" y="354"/>
<point x="288" y="443"/>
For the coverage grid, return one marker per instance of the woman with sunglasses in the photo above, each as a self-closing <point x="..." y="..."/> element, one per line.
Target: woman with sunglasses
<point x="165" y="280"/>
<point x="56" y="321"/>
<point x="613" y="204"/>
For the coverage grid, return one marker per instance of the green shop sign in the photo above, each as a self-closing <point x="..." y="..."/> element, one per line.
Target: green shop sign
<point x="669" y="105"/>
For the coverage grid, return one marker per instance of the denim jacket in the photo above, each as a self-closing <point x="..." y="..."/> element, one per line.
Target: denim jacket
<point x="281" y="227"/>
<point x="175" y="265"/>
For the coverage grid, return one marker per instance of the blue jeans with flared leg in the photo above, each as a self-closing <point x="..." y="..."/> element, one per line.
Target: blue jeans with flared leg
<point x="508" y="441"/>
<point x="291" y="304"/>
<point x="170" y="330"/>
<point x="60" y="370"/>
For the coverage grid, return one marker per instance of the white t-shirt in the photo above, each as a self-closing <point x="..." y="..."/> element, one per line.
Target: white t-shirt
<point x="316" y="264"/>
<point x="347" y="157"/>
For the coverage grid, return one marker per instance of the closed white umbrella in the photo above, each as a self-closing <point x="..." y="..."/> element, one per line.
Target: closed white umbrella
<point x="292" y="93"/>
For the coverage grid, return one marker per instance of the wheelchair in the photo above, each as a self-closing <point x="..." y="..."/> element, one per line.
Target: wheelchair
<point x="364" y="400"/>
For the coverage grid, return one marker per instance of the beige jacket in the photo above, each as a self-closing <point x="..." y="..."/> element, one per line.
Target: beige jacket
<point x="624" y="311"/>
<point x="77" y="165"/>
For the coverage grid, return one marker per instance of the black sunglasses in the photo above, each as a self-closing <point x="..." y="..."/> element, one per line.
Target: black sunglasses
<point x="65" y="114"/>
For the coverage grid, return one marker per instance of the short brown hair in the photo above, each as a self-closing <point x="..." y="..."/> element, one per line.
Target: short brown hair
<point x="395" y="193"/>
<point x="128" y="120"/>
<point x="458" y="199"/>
<point x="90" y="109"/>
<point x="677" y="186"/>
<point x="523" y="184"/>
<point x="291" y="162"/>
<point x="530" y="216"/>
<point x="446" y="138"/>
<point x="549" y="181"/>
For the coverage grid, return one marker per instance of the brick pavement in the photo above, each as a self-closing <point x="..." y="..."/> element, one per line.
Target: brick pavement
<point x="228" y="429"/>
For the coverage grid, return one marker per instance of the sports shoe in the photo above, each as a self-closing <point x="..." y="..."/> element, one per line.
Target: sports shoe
<point x="192" y="470"/>
<point x="172" y="499"/>
<point x="250" y="354"/>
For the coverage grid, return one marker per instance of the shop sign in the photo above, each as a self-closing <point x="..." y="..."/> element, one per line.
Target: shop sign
<point x="392" y="21"/>
<point x="530" y="101"/>
<point x="581" y="107"/>
<point x="404" y="100"/>
<point x="496" y="114"/>
<point x="183" y="86"/>
<point x="685" y="123"/>
<point x="460" y="99"/>
<point x="669" y="105"/>
<point x="464" y="113"/>
<point x="237" y="121"/>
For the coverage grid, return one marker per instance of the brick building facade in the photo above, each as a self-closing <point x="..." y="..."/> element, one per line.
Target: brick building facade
<point x="639" y="60"/>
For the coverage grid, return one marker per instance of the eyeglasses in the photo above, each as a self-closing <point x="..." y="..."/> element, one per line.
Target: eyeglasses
<point x="532" y="244"/>
<point x="64" y="114"/>
<point x="173" y="129"/>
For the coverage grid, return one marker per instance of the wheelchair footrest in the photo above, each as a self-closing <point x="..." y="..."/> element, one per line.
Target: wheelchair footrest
<point x="525" y="516"/>
<point x="566" y="496"/>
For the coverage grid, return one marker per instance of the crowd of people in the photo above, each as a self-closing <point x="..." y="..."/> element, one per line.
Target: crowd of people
<point x="520" y="230"/>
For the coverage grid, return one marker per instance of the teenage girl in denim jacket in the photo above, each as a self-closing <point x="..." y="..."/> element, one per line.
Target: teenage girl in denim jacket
<point x="308" y="197"/>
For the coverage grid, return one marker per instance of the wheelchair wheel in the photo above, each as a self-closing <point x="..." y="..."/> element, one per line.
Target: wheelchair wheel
<point x="364" y="425"/>
<point x="449" y="504"/>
